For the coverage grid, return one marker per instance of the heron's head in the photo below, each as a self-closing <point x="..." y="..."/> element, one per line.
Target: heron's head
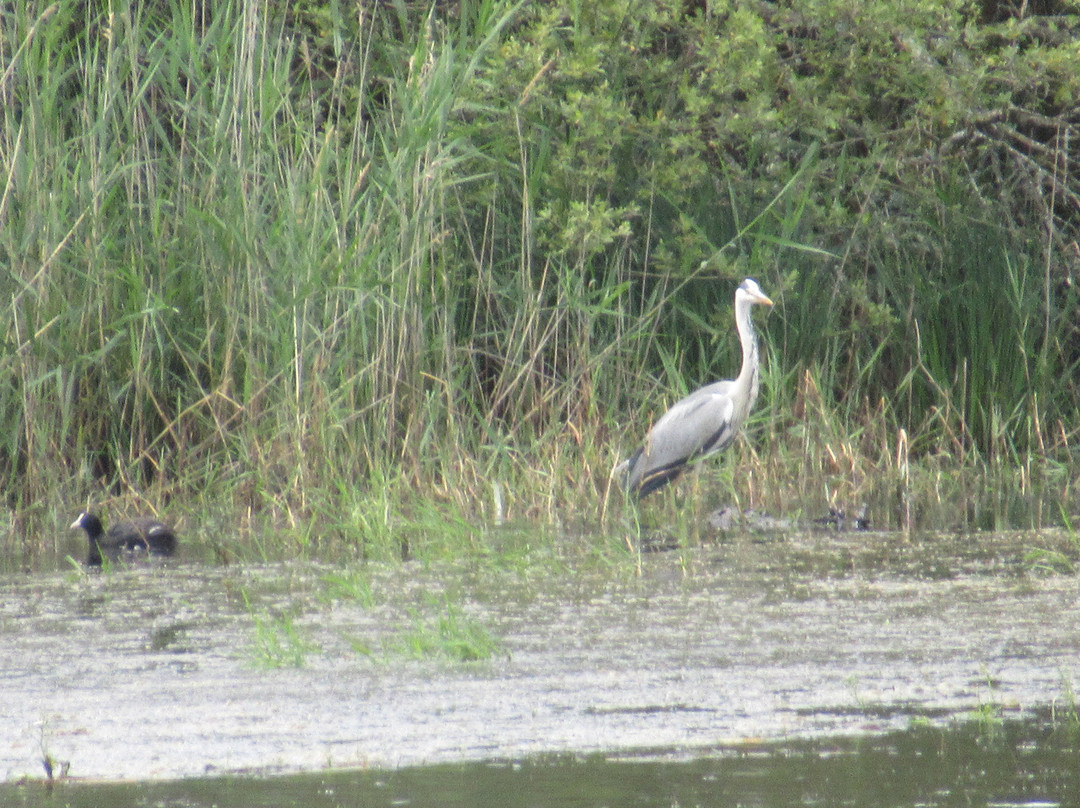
<point x="750" y="292"/>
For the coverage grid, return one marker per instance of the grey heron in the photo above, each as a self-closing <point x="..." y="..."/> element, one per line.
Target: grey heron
<point x="708" y="419"/>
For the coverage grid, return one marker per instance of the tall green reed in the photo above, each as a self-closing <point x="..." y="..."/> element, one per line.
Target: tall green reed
<point x="215" y="269"/>
<point x="336" y="271"/>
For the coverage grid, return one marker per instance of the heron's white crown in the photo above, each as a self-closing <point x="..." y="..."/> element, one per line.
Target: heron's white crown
<point x="750" y="290"/>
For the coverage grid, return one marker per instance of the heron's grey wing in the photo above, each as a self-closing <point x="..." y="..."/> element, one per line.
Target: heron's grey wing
<point x="695" y="426"/>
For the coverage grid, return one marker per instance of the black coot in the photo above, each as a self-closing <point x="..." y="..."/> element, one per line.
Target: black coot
<point x="144" y="535"/>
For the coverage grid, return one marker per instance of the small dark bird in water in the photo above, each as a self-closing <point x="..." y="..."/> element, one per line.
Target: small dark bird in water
<point x="144" y="535"/>
<point x="838" y="520"/>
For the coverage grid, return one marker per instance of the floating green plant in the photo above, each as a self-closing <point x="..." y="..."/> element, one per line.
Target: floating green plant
<point x="278" y="641"/>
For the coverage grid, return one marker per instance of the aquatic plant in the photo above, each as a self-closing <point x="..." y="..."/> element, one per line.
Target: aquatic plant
<point x="278" y="641"/>
<point x="1057" y="560"/>
<point x="352" y="584"/>
<point x="442" y="629"/>
<point x="54" y="768"/>
<point x="1046" y="561"/>
<point x="1065" y="713"/>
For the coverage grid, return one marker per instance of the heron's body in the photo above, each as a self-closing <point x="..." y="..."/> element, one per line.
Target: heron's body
<point x="140" y="536"/>
<point x="708" y="419"/>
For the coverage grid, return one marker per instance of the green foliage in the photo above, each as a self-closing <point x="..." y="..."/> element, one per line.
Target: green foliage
<point x="350" y="585"/>
<point x="278" y="641"/>
<point x="443" y="630"/>
<point x="332" y="270"/>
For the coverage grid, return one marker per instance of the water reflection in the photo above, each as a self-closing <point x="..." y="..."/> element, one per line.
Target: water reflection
<point x="1009" y="764"/>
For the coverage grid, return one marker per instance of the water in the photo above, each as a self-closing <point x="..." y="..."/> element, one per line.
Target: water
<point x="921" y="767"/>
<point x="855" y="668"/>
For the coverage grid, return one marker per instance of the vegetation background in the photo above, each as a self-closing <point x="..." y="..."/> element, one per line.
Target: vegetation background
<point x="346" y="275"/>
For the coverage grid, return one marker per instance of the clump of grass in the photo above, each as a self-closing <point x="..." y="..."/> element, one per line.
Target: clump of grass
<point x="54" y="769"/>
<point x="360" y="646"/>
<point x="278" y="641"/>
<point x="353" y="585"/>
<point x="1065" y="714"/>
<point x="988" y="716"/>
<point x="988" y="722"/>
<point x="1048" y="562"/>
<point x="444" y="631"/>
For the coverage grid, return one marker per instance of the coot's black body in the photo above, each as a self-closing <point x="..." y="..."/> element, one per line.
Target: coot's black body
<point x="142" y="536"/>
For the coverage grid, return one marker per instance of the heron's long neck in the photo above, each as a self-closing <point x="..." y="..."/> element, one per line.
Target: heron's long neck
<point x="748" y="373"/>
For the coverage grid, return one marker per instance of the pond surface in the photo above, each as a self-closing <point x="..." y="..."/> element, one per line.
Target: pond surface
<point x="705" y="666"/>
<point x="924" y="767"/>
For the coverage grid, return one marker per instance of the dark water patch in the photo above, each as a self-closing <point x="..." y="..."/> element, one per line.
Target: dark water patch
<point x="1012" y="764"/>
